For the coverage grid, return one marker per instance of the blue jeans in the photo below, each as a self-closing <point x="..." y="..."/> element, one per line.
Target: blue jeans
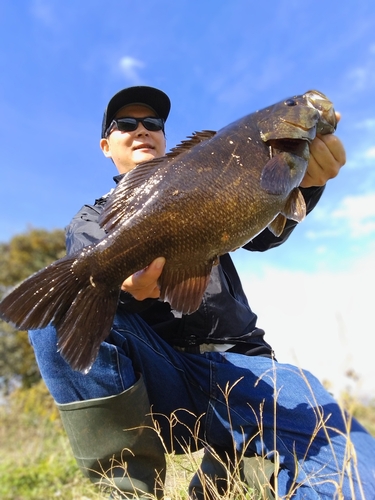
<point x="251" y="403"/>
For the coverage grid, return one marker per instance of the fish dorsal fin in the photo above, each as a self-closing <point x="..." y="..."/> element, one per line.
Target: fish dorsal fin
<point x="121" y="203"/>
<point x="295" y="206"/>
<point x="191" y="141"/>
<point x="125" y="200"/>
<point x="181" y="148"/>
<point x="184" y="288"/>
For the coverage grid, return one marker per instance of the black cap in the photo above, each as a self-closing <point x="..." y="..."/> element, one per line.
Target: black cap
<point x="154" y="98"/>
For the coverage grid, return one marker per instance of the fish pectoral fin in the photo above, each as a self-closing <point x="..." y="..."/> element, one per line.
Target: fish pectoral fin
<point x="277" y="225"/>
<point x="276" y="176"/>
<point x="184" y="288"/>
<point x="295" y="206"/>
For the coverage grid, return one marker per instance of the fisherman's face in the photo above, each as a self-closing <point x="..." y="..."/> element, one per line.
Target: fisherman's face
<point x="127" y="149"/>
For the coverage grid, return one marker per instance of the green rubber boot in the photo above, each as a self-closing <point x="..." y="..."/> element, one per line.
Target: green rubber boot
<point x="115" y="443"/>
<point x="258" y="473"/>
<point x="218" y="475"/>
<point x="211" y="480"/>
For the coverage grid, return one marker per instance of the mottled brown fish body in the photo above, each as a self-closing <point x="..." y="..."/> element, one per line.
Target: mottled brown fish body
<point x="206" y="201"/>
<point x="210" y="195"/>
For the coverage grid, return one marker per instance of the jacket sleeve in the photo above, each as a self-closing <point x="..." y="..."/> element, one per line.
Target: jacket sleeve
<point x="84" y="230"/>
<point x="266" y="240"/>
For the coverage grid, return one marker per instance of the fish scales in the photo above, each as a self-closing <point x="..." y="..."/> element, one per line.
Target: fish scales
<point x="210" y="195"/>
<point x="186" y="191"/>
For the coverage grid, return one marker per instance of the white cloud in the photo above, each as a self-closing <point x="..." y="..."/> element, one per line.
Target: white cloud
<point x="370" y="152"/>
<point x="129" y="67"/>
<point x="358" y="213"/>
<point x="363" y="77"/>
<point x="325" y="233"/>
<point x="358" y="78"/>
<point x="354" y="217"/>
<point x="43" y="11"/>
<point x="363" y="156"/>
<point x="322" y="322"/>
<point x="369" y="124"/>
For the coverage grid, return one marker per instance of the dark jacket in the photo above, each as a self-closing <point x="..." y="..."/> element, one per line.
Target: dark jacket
<point x="224" y="315"/>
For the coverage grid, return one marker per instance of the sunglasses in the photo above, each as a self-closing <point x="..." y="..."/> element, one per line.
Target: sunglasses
<point x="129" y="124"/>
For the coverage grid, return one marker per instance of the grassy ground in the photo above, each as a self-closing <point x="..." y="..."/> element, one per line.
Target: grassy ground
<point x="36" y="461"/>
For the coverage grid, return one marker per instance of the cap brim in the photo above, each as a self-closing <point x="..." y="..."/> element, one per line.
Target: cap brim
<point x="150" y="96"/>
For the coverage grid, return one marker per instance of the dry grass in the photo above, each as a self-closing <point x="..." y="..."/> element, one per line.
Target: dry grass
<point x="243" y="480"/>
<point x="36" y="461"/>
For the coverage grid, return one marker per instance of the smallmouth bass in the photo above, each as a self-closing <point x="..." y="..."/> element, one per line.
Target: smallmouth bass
<point x="208" y="196"/>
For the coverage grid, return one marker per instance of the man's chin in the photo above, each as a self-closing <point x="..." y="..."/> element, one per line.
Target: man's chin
<point x="142" y="155"/>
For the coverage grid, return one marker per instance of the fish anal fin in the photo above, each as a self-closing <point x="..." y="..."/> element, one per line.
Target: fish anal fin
<point x="275" y="177"/>
<point x="295" y="206"/>
<point x="184" y="288"/>
<point x="277" y="225"/>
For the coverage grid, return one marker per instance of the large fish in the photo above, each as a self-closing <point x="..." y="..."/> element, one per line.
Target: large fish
<point x="210" y="195"/>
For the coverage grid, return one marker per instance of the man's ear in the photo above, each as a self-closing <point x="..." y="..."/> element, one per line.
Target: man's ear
<point x="104" y="146"/>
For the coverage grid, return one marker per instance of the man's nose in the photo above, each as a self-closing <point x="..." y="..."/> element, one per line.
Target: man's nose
<point x="141" y="129"/>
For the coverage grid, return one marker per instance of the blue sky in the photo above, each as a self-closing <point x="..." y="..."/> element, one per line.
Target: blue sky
<point x="218" y="60"/>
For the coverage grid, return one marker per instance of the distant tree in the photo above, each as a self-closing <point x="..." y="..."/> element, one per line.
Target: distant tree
<point x="17" y="361"/>
<point x="24" y="255"/>
<point x="28" y="252"/>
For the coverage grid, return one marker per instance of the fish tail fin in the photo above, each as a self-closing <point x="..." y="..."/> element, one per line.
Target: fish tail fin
<point x="81" y="312"/>
<point x="85" y="325"/>
<point x="42" y="298"/>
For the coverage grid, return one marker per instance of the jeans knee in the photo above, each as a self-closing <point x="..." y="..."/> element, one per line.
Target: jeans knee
<point x="44" y="342"/>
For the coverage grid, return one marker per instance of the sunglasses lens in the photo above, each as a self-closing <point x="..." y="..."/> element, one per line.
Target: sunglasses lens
<point x="153" y="124"/>
<point x="130" y="124"/>
<point x="127" y="124"/>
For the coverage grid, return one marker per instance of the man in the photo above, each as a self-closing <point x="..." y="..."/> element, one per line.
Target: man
<point x="163" y="381"/>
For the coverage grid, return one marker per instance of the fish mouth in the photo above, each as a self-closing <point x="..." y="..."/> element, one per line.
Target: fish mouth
<point x="295" y="124"/>
<point x="328" y="120"/>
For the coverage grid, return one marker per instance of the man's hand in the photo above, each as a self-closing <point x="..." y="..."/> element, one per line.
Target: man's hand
<point x="327" y="156"/>
<point x="143" y="284"/>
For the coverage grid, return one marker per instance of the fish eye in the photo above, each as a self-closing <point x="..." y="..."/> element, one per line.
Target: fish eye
<point x="290" y="102"/>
